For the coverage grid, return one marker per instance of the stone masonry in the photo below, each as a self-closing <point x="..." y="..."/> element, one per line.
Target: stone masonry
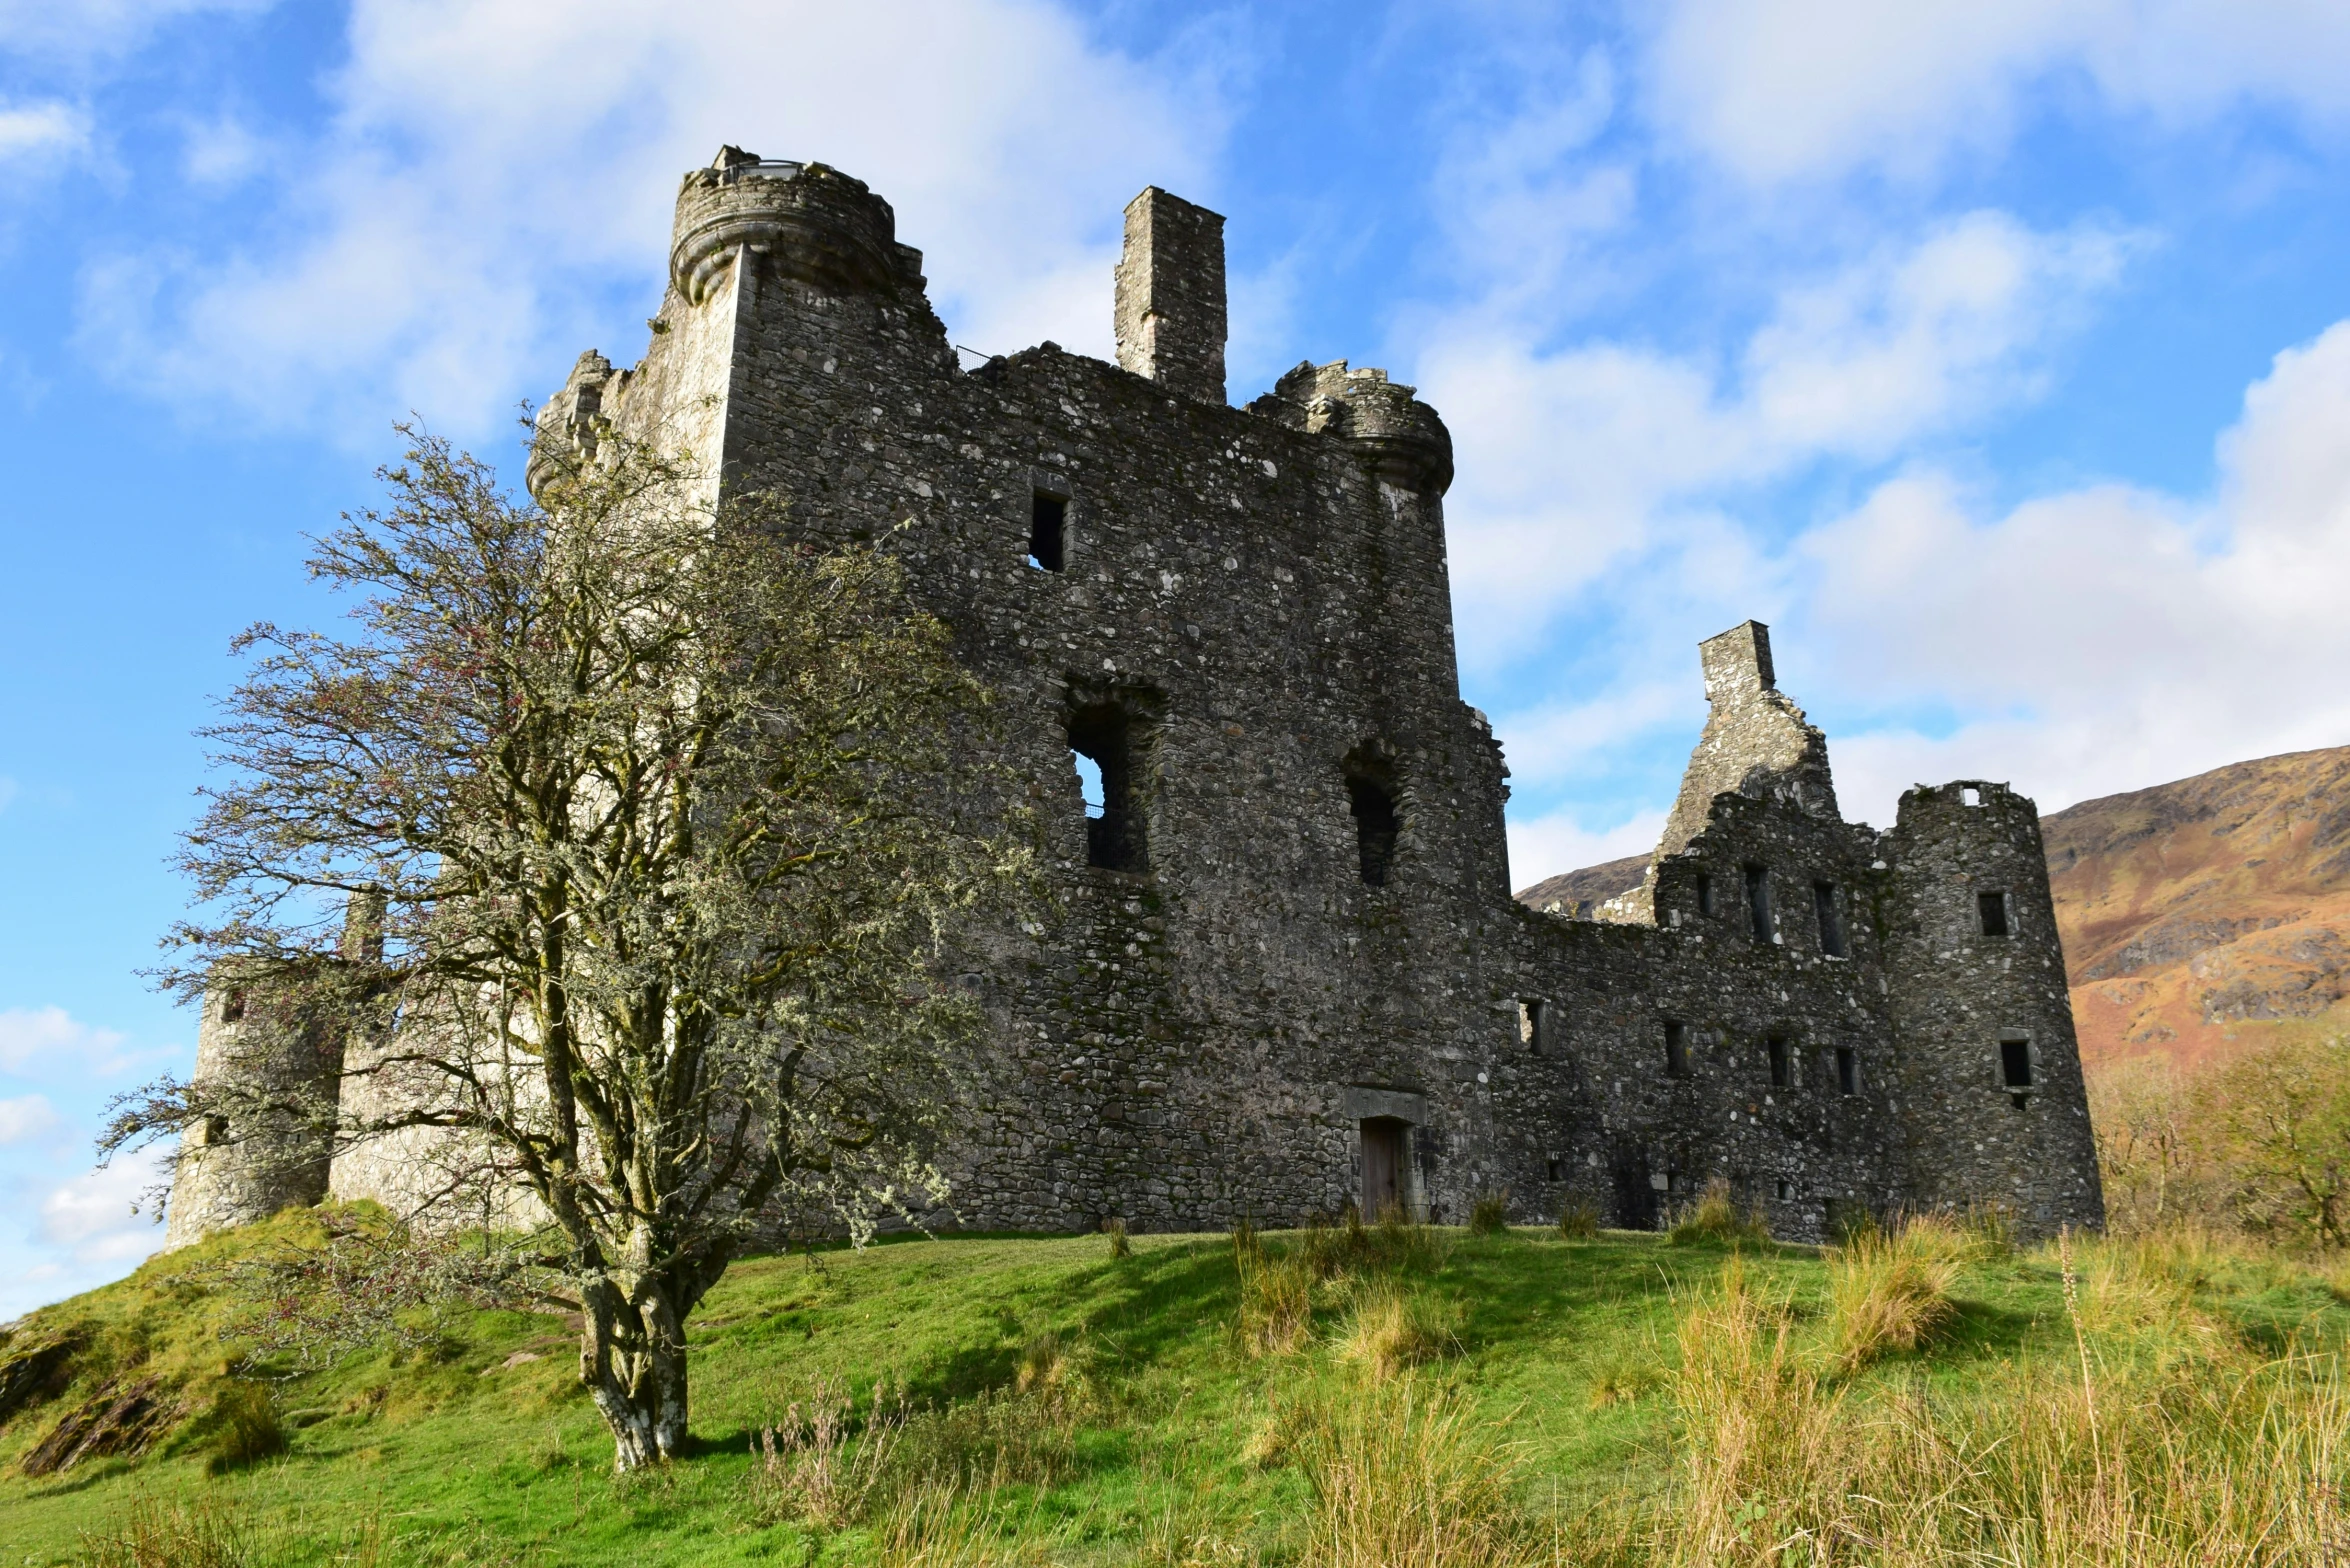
<point x="1286" y="973"/>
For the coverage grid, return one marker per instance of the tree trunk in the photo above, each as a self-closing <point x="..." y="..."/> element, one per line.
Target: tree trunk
<point x="632" y="1360"/>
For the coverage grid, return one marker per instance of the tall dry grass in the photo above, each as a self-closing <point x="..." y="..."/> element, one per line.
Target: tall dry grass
<point x="1715" y="1217"/>
<point x="211" y="1533"/>
<point x="1276" y="1294"/>
<point x="1404" y="1474"/>
<point x="2218" y="1457"/>
<point x="1393" y="1328"/>
<point x="1889" y="1292"/>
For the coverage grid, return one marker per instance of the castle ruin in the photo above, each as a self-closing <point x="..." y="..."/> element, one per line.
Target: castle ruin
<point x="1286" y="973"/>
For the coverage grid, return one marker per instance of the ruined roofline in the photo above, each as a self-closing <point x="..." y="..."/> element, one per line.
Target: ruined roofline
<point x="1756" y="743"/>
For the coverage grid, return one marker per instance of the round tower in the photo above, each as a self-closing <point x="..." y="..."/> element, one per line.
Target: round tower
<point x="1988" y="1072"/>
<point x="812" y="222"/>
<point x="268" y="1070"/>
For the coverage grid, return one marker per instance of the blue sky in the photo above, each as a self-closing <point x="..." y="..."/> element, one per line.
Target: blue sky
<point x="1997" y="353"/>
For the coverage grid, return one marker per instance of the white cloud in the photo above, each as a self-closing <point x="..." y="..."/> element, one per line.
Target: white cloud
<point x="1574" y="462"/>
<point x="45" y="129"/>
<point x="25" y="1118"/>
<point x="490" y="176"/>
<point x="1547" y="845"/>
<point x="102" y="1217"/>
<point x="50" y="1041"/>
<point x="1782" y="89"/>
<point x="80" y="29"/>
<point x="2102" y="638"/>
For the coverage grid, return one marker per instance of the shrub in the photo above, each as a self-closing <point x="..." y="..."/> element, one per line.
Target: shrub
<point x="1890" y="1294"/>
<point x="1392" y="1328"/>
<point x="1578" y="1221"/>
<point x="246" y="1428"/>
<point x="1115" y="1228"/>
<point x="1489" y="1215"/>
<point x="1715" y="1218"/>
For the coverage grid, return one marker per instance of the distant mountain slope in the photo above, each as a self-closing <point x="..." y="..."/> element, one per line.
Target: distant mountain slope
<point x="2193" y="907"/>
<point x="1591" y="885"/>
<point x="2186" y="909"/>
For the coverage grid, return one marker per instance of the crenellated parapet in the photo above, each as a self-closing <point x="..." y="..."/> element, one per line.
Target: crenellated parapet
<point x="1399" y="438"/>
<point x="808" y="221"/>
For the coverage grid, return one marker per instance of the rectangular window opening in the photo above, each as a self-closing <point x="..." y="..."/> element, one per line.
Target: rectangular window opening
<point x="1993" y="907"/>
<point x="232" y="1006"/>
<point x="1970" y="796"/>
<point x="1847" y="1071"/>
<point x="1782" y="1057"/>
<point x="2015" y="1065"/>
<point x="1048" y="533"/>
<point x="1758" y="905"/>
<point x="1378" y="825"/>
<point x="1555" y="1170"/>
<point x="1676" y="1048"/>
<point x="1101" y="744"/>
<point x="1705" y="896"/>
<point x="1784" y="1189"/>
<point x="1823" y="899"/>
<point x="1531" y="1018"/>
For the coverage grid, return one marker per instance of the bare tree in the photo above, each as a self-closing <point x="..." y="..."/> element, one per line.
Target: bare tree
<point x="652" y="829"/>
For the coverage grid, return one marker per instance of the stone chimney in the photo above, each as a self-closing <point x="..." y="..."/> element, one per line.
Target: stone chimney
<point x="1737" y="663"/>
<point x="1170" y="312"/>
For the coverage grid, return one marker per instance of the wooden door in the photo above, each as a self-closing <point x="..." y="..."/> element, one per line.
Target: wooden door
<point x="1382" y="1166"/>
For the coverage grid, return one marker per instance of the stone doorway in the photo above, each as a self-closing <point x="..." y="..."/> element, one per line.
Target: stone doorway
<point x="1383" y="1167"/>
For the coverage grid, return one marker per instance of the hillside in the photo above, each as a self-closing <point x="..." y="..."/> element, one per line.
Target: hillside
<point x="1552" y="1399"/>
<point x="2192" y="908"/>
<point x="1563" y="894"/>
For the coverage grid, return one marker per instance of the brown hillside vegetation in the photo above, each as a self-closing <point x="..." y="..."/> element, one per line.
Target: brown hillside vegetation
<point x="2187" y="910"/>
<point x="2193" y="908"/>
<point x="1563" y="893"/>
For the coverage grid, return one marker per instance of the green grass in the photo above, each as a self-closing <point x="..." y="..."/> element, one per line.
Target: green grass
<point x="1145" y="1428"/>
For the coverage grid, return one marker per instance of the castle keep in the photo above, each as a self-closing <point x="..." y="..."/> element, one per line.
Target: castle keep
<point x="1286" y="972"/>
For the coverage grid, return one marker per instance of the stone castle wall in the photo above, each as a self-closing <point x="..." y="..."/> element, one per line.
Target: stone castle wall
<point x="1286" y="949"/>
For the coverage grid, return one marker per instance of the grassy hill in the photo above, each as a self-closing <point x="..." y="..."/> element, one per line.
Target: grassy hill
<point x="1317" y="1398"/>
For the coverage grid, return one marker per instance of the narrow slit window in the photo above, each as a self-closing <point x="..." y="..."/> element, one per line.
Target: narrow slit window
<point x="1371" y="798"/>
<point x="1760" y="921"/>
<point x="1676" y="1048"/>
<point x="1823" y="900"/>
<point x="1782" y="1059"/>
<point x="1847" y="1071"/>
<point x="1531" y="1019"/>
<point x="2015" y="1065"/>
<point x="1101" y="744"/>
<point x="1993" y="907"/>
<point x="1048" y="532"/>
<point x="1705" y="896"/>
